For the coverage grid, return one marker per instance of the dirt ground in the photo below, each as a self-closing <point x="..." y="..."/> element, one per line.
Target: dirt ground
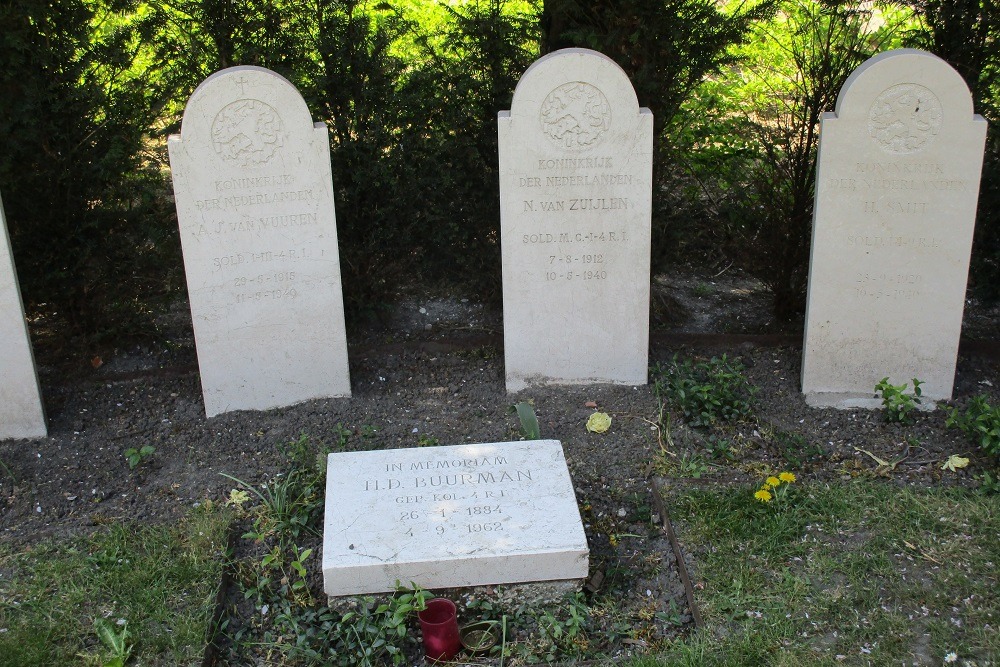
<point x="431" y="370"/>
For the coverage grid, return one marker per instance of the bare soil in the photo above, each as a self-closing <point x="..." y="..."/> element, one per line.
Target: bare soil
<point x="431" y="369"/>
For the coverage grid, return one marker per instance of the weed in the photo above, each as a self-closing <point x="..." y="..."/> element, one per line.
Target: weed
<point x="774" y="489"/>
<point x="981" y="422"/>
<point x="897" y="403"/>
<point x="115" y="641"/>
<point x="692" y="465"/>
<point x="796" y="450"/>
<point x="341" y="435"/>
<point x="673" y="616"/>
<point x="307" y="455"/>
<point x="368" y="431"/>
<point x="136" y="456"/>
<point x="643" y="510"/>
<point x="688" y="464"/>
<point x="561" y="633"/>
<point x="703" y="289"/>
<point x="289" y="505"/>
<point x="706" y="391"/>
<point x="8" y="471"/>
<point x="719" y="448"/>
<point x="289" y="573"/>
<point x="529" y="422"/>
<point x="989" y="483"/>
<point x="427" y="441"/>
<point x="488" y="609"/>
<point x="370" y="635"/>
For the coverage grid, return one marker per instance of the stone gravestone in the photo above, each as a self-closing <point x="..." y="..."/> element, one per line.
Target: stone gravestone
<point x="255" y="206"/>
<point x="896" y="191"/>
<point x="575" y="203"/>
<point x="444" y="517"/>
<point x="21" y="413"/>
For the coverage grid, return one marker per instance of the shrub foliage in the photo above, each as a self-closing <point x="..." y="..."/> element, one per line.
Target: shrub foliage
<point x="410" y="92"/>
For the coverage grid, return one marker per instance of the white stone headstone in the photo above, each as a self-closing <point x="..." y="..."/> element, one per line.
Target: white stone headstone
<point x="444" y="517"/>
<point x="21" y="412"/>
<point x="575" y="205"/>
<point x="255" y="206"/>
<point x="896" y="191"/>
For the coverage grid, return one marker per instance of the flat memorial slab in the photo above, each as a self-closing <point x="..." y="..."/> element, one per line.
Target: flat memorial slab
<point x="444" y="517"/>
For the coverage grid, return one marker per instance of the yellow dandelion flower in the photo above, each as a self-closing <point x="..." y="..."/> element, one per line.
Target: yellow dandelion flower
<point x="787" y="477"/>
<point x="773" y="482"/>
<point x="763" y="496"/>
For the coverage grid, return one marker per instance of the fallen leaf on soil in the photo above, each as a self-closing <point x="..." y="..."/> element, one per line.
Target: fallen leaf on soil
<point x="591" y="404"/>
<point x="599" y="422"/>
<point x="955" y="462"/>
<point x="97" y="362"/>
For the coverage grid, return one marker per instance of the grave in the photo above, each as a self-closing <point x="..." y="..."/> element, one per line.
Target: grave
<point x="254" y="198"/>
<point x="575" y="204"/>
<point x="21" y="412"/>
<point x="443" y="517"/>
<point x="896" y="192"/>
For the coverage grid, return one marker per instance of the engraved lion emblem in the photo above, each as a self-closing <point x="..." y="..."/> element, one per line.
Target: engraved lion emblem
<point x="247" y="132"/>
<point x="575" y="115"/>
<point x="904" y="119"/>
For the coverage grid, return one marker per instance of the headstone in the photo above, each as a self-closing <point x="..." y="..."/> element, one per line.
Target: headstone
<point x="575" y="204"/>
<point x="896" y="190"/>
<point x="21" y="413"/>
<point x="255" y="206"/>
<point x="443" y="517"/>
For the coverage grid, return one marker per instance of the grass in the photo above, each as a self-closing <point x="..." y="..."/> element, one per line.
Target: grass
<point x="859" y="572"/>
<point x="869" y="572"/>
<point x="159" y="582"/>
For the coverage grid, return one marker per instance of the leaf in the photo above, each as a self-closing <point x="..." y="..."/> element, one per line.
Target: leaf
<point x="955" y="462"/>
<point x="529" y="423"/>
<point x="599" y="422"/>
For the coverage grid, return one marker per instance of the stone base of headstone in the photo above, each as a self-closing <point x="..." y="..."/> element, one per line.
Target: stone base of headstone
<point x="849" y="401"/>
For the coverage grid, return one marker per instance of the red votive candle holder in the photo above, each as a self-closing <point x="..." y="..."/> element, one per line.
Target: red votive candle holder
<point x="439" y="625"/>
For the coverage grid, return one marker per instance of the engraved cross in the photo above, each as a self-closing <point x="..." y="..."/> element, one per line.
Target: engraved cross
<point x="242" y="83"/>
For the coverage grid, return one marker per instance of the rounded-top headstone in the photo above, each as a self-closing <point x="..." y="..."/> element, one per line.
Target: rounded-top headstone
<point x="255" y="207"/>
<point x="575" y="200"/>
<point x="896" y="191"/>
